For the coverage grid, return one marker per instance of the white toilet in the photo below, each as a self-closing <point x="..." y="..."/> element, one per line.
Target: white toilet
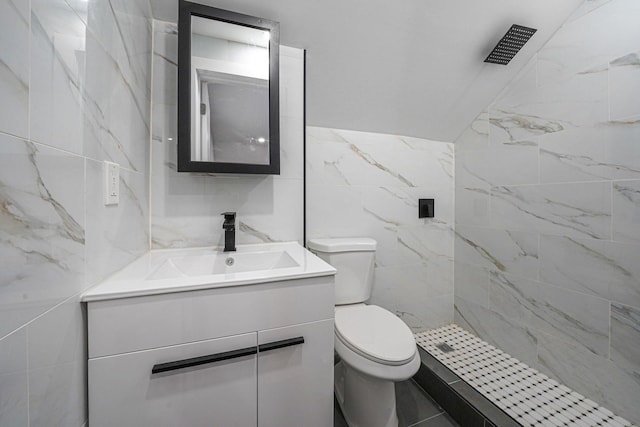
<point x="376" y="348"/>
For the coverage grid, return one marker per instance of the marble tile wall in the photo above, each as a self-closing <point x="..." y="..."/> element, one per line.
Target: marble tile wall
<point x="186" y="207"/>
<point x="548" y="210"/>
<point x="362" y="184"/>
<point x="74" y="91"/>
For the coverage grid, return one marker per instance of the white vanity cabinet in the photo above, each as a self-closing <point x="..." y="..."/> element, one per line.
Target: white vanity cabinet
<point x="251" y="355"/>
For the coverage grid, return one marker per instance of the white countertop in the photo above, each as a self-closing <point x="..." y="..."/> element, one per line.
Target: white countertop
<point x="141" y="277"/>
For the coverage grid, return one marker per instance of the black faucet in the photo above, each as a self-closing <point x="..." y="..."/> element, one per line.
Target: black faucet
<point x="229" y="227"/>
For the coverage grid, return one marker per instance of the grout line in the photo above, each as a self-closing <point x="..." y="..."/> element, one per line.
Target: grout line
<point x="28" y="374"/>
<point x="26" y="324"/>
<point x="151" y="100"/>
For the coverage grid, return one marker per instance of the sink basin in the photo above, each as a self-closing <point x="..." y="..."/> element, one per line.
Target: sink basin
<point x="177" y="270"/>
<point x="222" y="263"/>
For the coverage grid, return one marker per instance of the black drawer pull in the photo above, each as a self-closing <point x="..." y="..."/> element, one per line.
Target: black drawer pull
<point x="195" y="361"/>
<point x="280" y="344"/>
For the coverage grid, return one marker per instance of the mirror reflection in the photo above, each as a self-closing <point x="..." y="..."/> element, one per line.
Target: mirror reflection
<point x="230" y="92"/>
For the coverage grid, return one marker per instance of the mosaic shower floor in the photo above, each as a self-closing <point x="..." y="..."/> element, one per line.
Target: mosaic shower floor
<point x="529" y="397"/>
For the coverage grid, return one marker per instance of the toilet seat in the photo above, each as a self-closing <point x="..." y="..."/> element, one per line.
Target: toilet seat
<point x="375" y="333"/>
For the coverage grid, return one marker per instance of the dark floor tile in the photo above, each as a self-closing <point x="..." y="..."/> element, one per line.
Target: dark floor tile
<point x="442" y="420"/>
<point x="449" y="399"/>
<point x="413" y="404"/>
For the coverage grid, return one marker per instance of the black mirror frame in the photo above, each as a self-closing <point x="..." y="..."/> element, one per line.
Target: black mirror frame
<point x="185" y="164"/>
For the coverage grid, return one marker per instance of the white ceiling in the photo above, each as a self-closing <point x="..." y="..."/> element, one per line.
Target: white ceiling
<point x="405" y="67"/>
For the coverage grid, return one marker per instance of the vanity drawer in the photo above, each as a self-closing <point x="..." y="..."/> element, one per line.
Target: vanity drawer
<point x="295" y="379"/>
<point x="124" y="392"/>
<point x="139" y="323"/>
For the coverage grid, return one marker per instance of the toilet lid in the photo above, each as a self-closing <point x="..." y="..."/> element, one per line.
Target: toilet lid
<point x="375" y="333"/>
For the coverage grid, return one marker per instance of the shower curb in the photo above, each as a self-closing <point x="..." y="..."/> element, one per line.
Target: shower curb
<point x="462" y="402"/>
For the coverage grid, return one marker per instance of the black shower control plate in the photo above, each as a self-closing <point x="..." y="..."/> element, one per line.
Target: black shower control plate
<point x="426" y="208"/>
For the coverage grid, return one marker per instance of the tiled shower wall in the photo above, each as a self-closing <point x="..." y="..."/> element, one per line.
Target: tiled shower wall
<point x="362" y="184"/>
<point x="548" y="210"/>
<point x="186" y="207"/>
<point x="74" y="91"/>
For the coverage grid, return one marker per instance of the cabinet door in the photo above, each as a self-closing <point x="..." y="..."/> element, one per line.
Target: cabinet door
<point x="295" y="380"/>
<point x="219" y="390"/>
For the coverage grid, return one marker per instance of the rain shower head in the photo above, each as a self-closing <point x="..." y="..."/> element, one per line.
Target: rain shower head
<point x="510" y="44"/>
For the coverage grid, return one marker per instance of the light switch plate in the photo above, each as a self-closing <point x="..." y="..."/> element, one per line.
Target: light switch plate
<point x="111" y="174"/>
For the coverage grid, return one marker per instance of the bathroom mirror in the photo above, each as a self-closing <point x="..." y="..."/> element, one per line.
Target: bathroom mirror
<point x="228" y="104"/>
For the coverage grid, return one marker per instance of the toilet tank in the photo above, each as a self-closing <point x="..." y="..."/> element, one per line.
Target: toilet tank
<point x="354" y="259"/>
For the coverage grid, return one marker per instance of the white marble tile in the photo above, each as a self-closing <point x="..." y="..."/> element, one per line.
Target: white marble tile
<point x="576" y="210"/>
<point x="363" y="158"/>
<point x="13" y="352"/>
<point x="626" y="211"/>
<point x="437" y="312"/>
<point x="520" y="91"/>
<point x="116" y="235"/>
<point x="268" y="210"/>
<point x="118" y="62"/>
<point x="57" y="366"/>
<point x="582" y="318"/>
<point x="13" y="380"/>
<point x="164" y="95"/>
<point x="576" y="101"/>
<point x="343" y="170"/>
<point x="396" y="207"/>
<point x="602" y="151"/>
<point x="432" y="246"/>
<point x="57" y="337"/>
<point x="476" y="135"/>
<point x="625" y="337"/>
<point x="336" y="211"/>
<point x="57" y="395"/>
<point x="472" y="206"/>
<point x="502" y="250"/>
<point x="407" y="292"/>
<point x="592" y="375"/>
<point x="180" y="217"/>
<point x="426" y="243"/>
<point x="576" y="47"/>
<point x="183" y="231"/>
<point x="165" y="55"/>
<point x="606" y="269"/>
<point x="503" y="165"/>
<point x="471" y="283"/>
<point x="624" y="79"/>
<point x="175" y="194"/>
<point x="134" y="27"/>
<point x="291" y="148"/>
<point x="42" y="240"/>
<point x="508" y="127"/>
<point x="58" y="116"/>
<point x="507" y="334"/>
<point x="325" y="162"/>
<point x="14" y="67"/>
<point x="291" y="83"/>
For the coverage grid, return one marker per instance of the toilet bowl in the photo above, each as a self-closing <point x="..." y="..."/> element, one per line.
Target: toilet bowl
<point x="376" y="348"/>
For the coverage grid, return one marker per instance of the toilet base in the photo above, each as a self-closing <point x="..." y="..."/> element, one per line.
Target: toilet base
<point x="365" y="401"/>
